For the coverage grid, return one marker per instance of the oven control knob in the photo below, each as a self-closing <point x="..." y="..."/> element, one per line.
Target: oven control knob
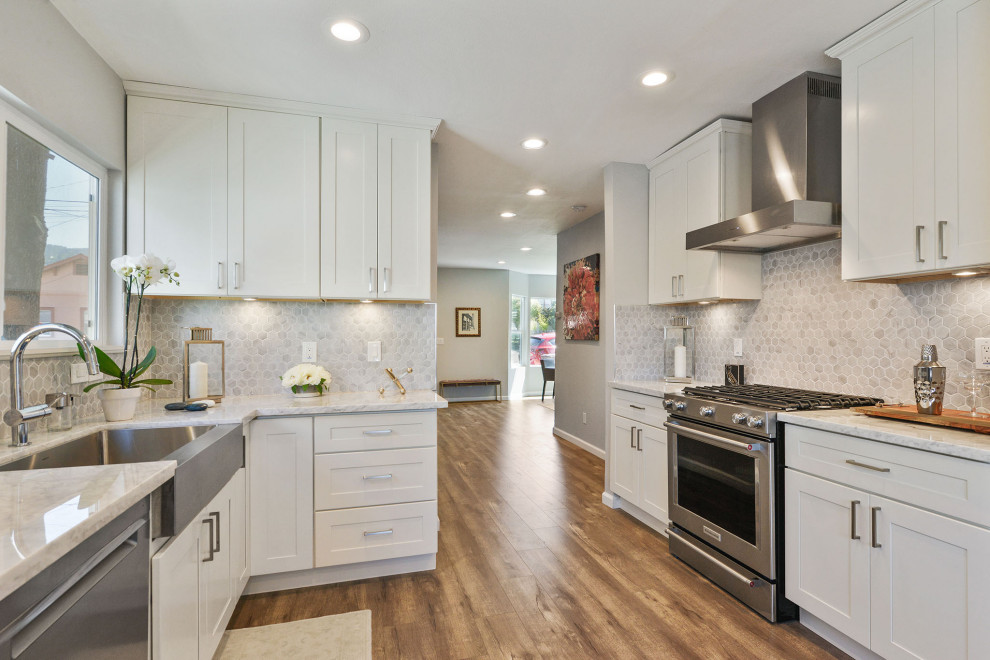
<point x="755" y="422"/>
<point x="739" y="418"/>
<point x="668" y="404"/>
<point x="680" y="405"/>
<point x="707" y="411"/>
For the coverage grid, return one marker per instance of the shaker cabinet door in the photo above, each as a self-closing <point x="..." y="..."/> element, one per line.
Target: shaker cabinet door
<point x="177" y="190"/>
<point x="625" y="463"/>
<point x="654" y="485"/>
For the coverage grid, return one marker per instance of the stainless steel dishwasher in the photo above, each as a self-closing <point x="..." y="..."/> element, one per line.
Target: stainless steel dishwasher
<point x="92" y="603"/>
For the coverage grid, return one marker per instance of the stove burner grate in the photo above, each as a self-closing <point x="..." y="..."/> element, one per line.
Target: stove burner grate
<point x="779" y="398"/>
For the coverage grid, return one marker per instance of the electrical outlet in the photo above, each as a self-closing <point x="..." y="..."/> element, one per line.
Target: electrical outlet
<point x="374" y="351"/>
<point x="737" y="348"/>
<point x="982" y="353"/>
<point x="78" y="373"/>
<point x="309" y="351"/>
<point x="584" y="418"/>
<point x="439" y="341"/>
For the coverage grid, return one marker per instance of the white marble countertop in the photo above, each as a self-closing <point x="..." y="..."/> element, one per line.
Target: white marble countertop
<point x="652" y="387"/>
<point x="232" y="410"/>
<point x="939" y="439"/>
<point x="46" y="513"/>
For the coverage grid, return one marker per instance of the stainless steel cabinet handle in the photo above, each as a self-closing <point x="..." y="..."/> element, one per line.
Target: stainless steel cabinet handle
<point x="680" y="285"/>
<point x="632" y="437"/>
<point x="852" y="520"/>
<point x="941" y="239"/>
<point x="637" y="407"/>
<point x="377" y="476"/>
<point x="867" y="466"/>
<point x="639" y="439"/>
<point x="371" y="279"/>
<point x="917" y="243"/>
<point x="673" y="285"/>
<point x="873" y="527"/>
<point x="237" y="275"/>
<point x="378" y="432"/>
<point x="209" y="521"/>
<point x="385" y="280"/>
<point x="216" y="514"/>
<point x="219" y="274"/>
<point x="378" y="533"/>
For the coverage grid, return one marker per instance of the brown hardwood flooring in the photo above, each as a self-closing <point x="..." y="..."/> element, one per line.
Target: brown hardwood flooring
<point x="531" y="564"/>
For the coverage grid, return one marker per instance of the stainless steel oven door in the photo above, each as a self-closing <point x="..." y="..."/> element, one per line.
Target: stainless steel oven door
<point x="721" y="490"/>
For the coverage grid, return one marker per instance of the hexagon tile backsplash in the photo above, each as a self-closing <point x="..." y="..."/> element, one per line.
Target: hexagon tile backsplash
<point x="812" y="330"/>
<point x="262" y="340"/>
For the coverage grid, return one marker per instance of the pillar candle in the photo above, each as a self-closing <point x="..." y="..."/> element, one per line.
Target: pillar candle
<point x="680" y="362"/>
<point x="198" y="375"/>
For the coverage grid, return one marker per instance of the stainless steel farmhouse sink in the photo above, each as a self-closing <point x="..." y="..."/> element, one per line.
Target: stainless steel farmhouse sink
<point x="206" y="458"/>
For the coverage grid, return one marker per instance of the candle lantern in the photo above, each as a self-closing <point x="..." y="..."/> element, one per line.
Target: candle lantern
<point x="678" y="351"/>
<point x="203" y="366"/>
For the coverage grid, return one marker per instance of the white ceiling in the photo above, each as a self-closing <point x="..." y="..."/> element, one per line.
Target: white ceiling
<point x="495" y="72"/>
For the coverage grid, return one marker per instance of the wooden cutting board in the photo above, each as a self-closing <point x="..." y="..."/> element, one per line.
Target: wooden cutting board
<point x="957" y="419"/>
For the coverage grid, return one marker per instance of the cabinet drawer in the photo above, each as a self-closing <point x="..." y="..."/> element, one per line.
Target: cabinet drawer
<point x="639" y="407"/>
<point x="369" y="478"/>
<point x="946" y="484"/>
<point x="361" y="432"/>
<point x="349" y="536"/>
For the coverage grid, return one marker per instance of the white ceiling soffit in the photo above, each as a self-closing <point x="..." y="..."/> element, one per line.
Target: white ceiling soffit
<point x="496" y="73"/>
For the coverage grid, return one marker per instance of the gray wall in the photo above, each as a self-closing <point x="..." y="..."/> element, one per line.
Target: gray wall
<point x="486" y="356"/>
<point x="580" y="378"/>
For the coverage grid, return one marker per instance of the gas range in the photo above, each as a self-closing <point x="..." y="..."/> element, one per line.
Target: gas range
<point x="726" y="475"/>
<point x="753" y="409"/>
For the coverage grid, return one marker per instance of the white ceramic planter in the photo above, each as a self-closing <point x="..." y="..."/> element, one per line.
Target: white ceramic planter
<point x="120" y="405"/>
<point x="308" y="392"/>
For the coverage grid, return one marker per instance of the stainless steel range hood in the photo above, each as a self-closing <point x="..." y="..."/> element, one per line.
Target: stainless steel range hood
<point x="796" y="172"/>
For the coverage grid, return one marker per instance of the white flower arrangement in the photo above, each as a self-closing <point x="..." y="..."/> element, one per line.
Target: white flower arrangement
<point x="306" y="377"/>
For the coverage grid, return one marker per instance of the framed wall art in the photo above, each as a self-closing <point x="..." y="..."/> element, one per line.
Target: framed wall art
<point x="582" y="279"/>
<point x="467" y="321"/>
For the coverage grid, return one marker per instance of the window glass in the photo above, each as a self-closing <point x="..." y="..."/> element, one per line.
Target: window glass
<point x="515" y="331"/>
<point x="52" y="212"/>
<point x="542" y="329"/>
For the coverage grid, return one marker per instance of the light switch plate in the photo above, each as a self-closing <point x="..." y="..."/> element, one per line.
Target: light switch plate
<point x="737" y="348"/>
<point x="78" y="373"/>
<point x="374" y="351"/>
<point x="439" y="341"/>
<point x="983" y="353"/>
<point x="309" y="351"/>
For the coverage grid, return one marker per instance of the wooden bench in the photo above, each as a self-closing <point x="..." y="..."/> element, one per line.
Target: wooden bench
<point x="474" y="381"/>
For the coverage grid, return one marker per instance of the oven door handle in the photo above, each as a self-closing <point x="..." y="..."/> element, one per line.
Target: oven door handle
<point x="712" y="439"/>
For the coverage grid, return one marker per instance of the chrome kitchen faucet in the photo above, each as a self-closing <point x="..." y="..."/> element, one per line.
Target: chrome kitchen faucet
<point x="18" y="415"/>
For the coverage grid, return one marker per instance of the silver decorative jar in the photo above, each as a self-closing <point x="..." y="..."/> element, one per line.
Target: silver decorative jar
<point x="929" y="382"/>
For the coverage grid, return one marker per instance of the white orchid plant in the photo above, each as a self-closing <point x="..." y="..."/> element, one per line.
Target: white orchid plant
<point x="304" y="377"/>
<point x="138" y="273"/>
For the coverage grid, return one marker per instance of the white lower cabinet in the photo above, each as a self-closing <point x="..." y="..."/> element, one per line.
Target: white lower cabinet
<point x="280" y="476"/>
<point x="198" y="576"/>
<point x="638" y="454"/>
<point x="898" y="579"/>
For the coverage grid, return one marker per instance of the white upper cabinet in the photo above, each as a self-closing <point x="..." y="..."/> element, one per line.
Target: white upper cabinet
<point x="256" y="202"/>
<point x="915" y="142"/>
<point x="701" y="181"/>
<point x="177" y="190"/>
<point x="349" y="220"/>
<point x="376" y="240"/>
<point x="273" y="205"/>
<point x="404" y="254"/>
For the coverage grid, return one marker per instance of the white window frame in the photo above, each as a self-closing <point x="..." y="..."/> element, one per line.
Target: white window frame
<point x="56" y="345"/>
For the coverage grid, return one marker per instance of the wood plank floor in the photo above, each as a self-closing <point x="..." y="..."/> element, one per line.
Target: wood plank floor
<point x="533" y="565"/>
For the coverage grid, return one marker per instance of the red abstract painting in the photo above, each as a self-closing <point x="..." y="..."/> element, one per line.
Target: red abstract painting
<point x="581" y="283"/>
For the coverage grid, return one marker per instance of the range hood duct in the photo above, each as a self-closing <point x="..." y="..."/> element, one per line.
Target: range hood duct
<point x="796" y="172"/>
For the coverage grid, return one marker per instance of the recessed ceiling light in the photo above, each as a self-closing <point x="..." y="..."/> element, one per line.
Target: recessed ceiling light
<point x="366" y="301"/>
<point x="534" y="143"/>
<point x="654" y="78"/>
<point x="525" y="249"/>
<point x="249" y="299"/>
<point x="501" y="262"/>
<point x="536" y="192"/>
<point x="349" y="31"/>
<point x="966" y="273"/>
<point x="704" y="302"/>
<point x="507" y="214"/>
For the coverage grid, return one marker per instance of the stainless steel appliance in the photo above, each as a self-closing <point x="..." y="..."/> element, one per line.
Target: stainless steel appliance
<point x="725" y="456"/>
<point x="796" y="183"/>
